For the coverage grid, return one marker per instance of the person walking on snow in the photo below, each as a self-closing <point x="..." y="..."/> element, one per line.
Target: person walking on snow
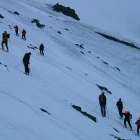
<point x="41" y="49"/>
<point x="119" y="105"/>
<point x="5" y="37"/>
<point x="102" y="102"/>
<point x="138" y="125"/>
<point x="127" y="119"/>
<point x="16" y="30"/>
<point x="26" y="62"/>
<point x="23" y="34"/>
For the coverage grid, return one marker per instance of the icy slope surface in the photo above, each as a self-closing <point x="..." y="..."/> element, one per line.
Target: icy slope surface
<point x="120" y="18"/>
<point x="66" y="75"/>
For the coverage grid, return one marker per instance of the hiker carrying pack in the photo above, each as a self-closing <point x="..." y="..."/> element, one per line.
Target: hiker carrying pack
<point x="23" y="34"/>
<point x="102" y="102"/>
<point x="16" y="30"/>
<point x="127" y="119"/>
<point x="119" y="105"/>
<point x="41" y="49"/>
<point x="138" y="125"/>
<point x="5" y="37"/>
<point x="26" y="62"/>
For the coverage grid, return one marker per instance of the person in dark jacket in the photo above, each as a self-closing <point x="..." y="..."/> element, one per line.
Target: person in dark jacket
<point x="41" y="49"/>
<point x="5" y="37"/>
<point x="127" y="119"/>
<point x="23" y="34"/>
<point x="16" y="30"/>
<point x="119" y="105"/>
<point x="26" y="62"/>
<point x="138" y="125"/>
<point x="102" y="102"/>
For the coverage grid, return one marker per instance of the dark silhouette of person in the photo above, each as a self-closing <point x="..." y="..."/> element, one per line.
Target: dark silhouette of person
<point x="5" y="37"/>
<point x="138" y="125"/>
<point x="41" y="49"/>
<point x="127" y="119"/>
<point x="26" y="62"/>
<point x="119" y="105"/>
<point x="23" y="34"/>
<point x="16" y="30"/>
<point x="102" y="102"/>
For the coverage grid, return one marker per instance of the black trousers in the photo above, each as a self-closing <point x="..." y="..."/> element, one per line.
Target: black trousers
<point x="42" y="52"/>
<point x="127" y="121"/>
<point x="27" y="70"/>
<point x="24" y="37"/>
<point x="103" y="110"/>
<point x="6" y="45"/>
<point x="17" y="34"/>
<point x="120" y="112"/>
<point x="138" y="129"/>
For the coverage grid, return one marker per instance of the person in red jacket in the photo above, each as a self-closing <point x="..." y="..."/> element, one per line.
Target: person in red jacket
<point x="138" y="125"/>
<point x="127" y="119"/>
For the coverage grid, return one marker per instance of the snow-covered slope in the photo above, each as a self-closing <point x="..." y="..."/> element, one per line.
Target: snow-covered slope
<point x="120" y="18"/>
<point x="66" y="75"/>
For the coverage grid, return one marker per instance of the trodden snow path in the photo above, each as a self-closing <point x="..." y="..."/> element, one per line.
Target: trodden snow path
<point x="66" y="75"/>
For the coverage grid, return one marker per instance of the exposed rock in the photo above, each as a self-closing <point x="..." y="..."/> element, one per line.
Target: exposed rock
<point x="102" y="88"/>
<point x="38" y="24"/>
<point x="118" y="40"/>
<point x="1" y="16"/>
<point x="79" y="109"/>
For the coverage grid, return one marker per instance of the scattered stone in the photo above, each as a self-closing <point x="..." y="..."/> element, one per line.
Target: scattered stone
<point x="66" y="29"/>
<point x="38" y="24"/>
<point x="45" y="111"/>
<point x="80" y="46"/>
<point x="98" y="57"/>
<point x="1" y="16"/>
<point x="82" y="52"/>
<point x="117" y="68"/>
<point x="4" y="66"/>
<point x="32" y="47"/>
<point x="89" y="52"/>
<point x="16" y="13"/>
<point x="104" y="89"/>
<point x="59" y="32"/>
<point x="69" y="68"/>
<point x="116" y="130"/>
<point x="106" y="63"/>
<point x="79" y="109"/>
<point x="86" y="74"/>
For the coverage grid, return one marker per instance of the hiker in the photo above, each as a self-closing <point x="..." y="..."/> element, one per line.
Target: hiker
<point x="138" y="125"/>
<point x="16" y="30"/>
<point x="5" y="37"/>
<point x="102" y="102"/>
<point x="23" y="34"/>
<point x="26" y="62"/>
<point x="41" y="49"/>
<point x="119" y="105"/>
<point x="127" y="119"/>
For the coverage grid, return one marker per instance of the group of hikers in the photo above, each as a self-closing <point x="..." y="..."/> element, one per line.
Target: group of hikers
<point x="23" y="36"/>
<point x="26" y="57"/>
<point x="6" y="36"/>
<point x="102" y="98"/>
<point x="126" y="114"/>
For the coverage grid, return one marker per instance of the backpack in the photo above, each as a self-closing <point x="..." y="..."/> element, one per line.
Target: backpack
<point x="128" y="114"/>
